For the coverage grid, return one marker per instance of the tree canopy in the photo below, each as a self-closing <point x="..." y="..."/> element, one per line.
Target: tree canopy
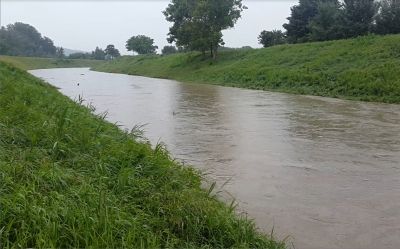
<point x="60" y="53"/>
<point x="98" y="54"/>
<point x="321" y="20"/>
<point x="80" y="55"/>
<point x="112" y="52"/>
<point x="326" y="24"/>
<point x="358" y="17"/>
<point x="20" y="39"/>
<point x="141" y="44"/>
<point x="388" y="20"/>
<point x="169" y="50"/>
<point x="271" y="38"/>
<point x="297" y="29"/>
<point x="198" y="24"/>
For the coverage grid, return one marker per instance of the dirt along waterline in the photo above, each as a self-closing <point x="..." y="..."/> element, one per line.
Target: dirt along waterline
<point x="324" y="171"/>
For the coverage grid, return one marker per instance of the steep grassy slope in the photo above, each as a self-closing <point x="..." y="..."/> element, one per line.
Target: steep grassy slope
<point x="365" y="68"/>
<point x="68" y="179"/>
<point x="29" y="63"/>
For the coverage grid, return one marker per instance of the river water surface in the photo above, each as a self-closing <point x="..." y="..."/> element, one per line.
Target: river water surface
<point x="324" y="171"/>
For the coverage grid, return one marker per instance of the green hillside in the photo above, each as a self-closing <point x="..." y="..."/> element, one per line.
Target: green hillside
<point x="365" y="68"/>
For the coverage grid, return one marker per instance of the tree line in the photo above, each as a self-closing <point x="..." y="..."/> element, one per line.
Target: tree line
<point x="197" y="25"/>
<point x="324" y="20"/>
<point x="109" y="53"/>
<point x="21" y="39"/>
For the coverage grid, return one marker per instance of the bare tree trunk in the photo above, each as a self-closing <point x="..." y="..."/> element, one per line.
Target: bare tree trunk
<point x="214" y="53"/>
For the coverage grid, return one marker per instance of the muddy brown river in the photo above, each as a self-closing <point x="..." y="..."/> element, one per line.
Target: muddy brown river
<point x="323" y="171"/>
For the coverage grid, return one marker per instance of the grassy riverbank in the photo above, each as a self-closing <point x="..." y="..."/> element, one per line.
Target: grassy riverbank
<point x="70" y="179"/>
<point x="28" y="63"/>
<point x="364" y="68"/>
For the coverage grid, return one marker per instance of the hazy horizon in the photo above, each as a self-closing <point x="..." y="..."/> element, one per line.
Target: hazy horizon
<point x="84" y="25"/>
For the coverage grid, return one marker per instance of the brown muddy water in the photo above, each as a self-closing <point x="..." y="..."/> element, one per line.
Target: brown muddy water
<point x="324" y="171"/>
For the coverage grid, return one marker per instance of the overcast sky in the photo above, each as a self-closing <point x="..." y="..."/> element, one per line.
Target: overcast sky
<point x="83" y="25"/>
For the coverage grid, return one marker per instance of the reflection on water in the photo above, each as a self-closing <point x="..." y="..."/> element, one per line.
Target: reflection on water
<point x="325" y="171"/>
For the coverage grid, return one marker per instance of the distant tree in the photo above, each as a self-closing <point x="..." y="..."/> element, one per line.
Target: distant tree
<point x="226" y="49"/>
<point x="358" y="17"/>
<point x="47" y="47"/>
<point x="98" y="54"/>
<point x="326" y="25"/>
<point x="60" y="53"/>
<point x="271" y="38"/>
<point x="246" y="48"/>
<point x="23" y="39"/>
<point x="311" y="16"/>
<point x="182" y="49"/>
<point x="169" y="50"/>
<point x="197" y="25"/>
<point x="80" y="55"/>
<point x="388" y="20"/>
<point x="141" y="44"/>
<point x="3" y="41"/>
<point x="297" y="29"/>
<point x="112" y="52"/>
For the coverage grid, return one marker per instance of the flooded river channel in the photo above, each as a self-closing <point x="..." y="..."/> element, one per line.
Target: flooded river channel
<point x="324" y="171"/>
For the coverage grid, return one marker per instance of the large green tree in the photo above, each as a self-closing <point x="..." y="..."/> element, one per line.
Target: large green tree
<point x="327" y="24"/>
<point x="23" y="39"/>
<point x="112" y="52"/>
<point x="320" y="20"/>
<point x="60" y="53"/>
<point x="198" y="24"/>
<point x="169" y="50"/>
<point x="388" y="20"/>
<point x="358" y="17"/>
<point x="98" y="54"/>
<point x="3" y="41"/>
<point x="297" y="29"/>
<point x="141" y="44"/>
<point x="271" y="38"/>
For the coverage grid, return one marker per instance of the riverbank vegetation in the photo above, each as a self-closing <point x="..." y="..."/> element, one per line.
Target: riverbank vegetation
<point x="364" y="68"/>
<point x="28" y="63"/>
<point x="69" y="179"/>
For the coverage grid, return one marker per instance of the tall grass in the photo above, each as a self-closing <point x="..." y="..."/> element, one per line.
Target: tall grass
<point x="364" y="68"/>
<point x="69" y="179"/>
